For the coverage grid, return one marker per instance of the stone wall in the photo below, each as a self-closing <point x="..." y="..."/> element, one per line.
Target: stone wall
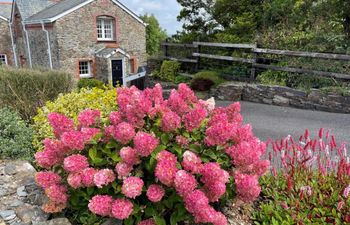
<point x="38" y="47"/>
<point x="5" y="41"/>
<point x="283" y="96"/>
<point x="76" y="34"/>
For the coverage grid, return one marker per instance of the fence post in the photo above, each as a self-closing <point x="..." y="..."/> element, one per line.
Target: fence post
<point x="253" y="70"/>
<point x="198" y="49"/>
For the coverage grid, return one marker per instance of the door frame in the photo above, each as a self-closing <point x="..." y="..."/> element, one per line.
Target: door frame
<point x="123" y="70"/>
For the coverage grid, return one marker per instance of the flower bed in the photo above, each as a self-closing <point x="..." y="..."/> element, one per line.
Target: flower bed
<point x="155" y="162"/>
<point x="313" y="185"/>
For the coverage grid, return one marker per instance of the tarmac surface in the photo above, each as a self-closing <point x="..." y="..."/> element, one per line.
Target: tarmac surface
<point x="276" y="122"/>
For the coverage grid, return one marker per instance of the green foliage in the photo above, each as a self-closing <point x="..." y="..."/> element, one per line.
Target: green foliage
<point x="15" y="136"/>
<point x="154" y="34"/>
<point x="282" y="206"/>
<point x="182" y="79"/>
<point x="209" y="75"/>
<point x="169" y="70"/>
<point x="25" y="90"/>
<point x="90" y="83"/>
<point x="70" y="105"/>
<point x="293" y="80"/>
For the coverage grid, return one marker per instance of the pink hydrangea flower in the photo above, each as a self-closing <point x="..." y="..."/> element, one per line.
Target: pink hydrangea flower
<point x="101" y="205"/>
<point x="247" y="186"/>
<point x="74" y="140"/>
<point x="177" y="104"/>
<point x="57" y="193"/>
<point x="123" y="169"/>
<point x="89" y="133"/>
<point x="212" y="172"/>
<point x="122" y="209"/>
<point x="145" y="143"/>
<point x="88" y="117"/>
<point x="215" y="190"/>
<point x="219" y="133"/>
<point x="196" y="201"/>
<point x="247" y="152"/>
<point x="184" y="182"/>
<point x="104" y="177"/>
<point x="186" y="93"/>
<point x="115" y="118"/>
<point x="47" y="179"/>
<point x="182" y="141"/>
<point x="123" y="132"/>
<point x="132" y="187"/>
<point x="75" y="163"/>
<point x="147" y="222"/>
<point x="53" y="207"/>
<point x="87" y="177"/>
<point x="194" y="118"/>
<point x="155" y="193"/>
<point x="220" y="219"/>
<point x="74" y="180"/>
<point x="129" y="155"/>
<point x="52" y="154"/>
<point x="191" y="162"/>
<point x="170" y="122"/>
<point x="60" y="123"/>
<point x="166" y="169"/>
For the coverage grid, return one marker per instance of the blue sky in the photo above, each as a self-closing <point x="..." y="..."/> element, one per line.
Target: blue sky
<point x="166" y="11"/>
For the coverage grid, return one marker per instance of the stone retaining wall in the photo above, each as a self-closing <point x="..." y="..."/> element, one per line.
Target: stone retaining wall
<point x="282" y="96"/>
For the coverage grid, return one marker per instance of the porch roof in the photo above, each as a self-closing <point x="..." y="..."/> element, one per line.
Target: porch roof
<point x="109" y="52"/>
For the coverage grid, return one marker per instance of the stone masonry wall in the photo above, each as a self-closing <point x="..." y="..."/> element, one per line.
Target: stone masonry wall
<point x="283" y="96"/>
<point x="5" y="41"/>
<point x="76" y="34"/>
<point x="38" y="46"/>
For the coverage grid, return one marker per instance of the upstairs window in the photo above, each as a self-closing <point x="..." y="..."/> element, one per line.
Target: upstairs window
<point x="3" y="59"/>
<point x="105" y="28"/>
<point x="85" y="69"/>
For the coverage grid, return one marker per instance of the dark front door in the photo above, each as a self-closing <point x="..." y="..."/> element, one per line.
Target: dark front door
<point x="117" y="72"/>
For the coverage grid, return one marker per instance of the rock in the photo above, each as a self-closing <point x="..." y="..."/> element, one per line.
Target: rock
<point x="112" y="221"/>
<point x="279" y="100"/>
<point x="21" y="192"/>
<point x="2" y="222"/>
<point x="10" y="169"/>
<point x="3" y="191"/>
<point x="57" y="221"/>
<point x="28" y="213"/>
<point x="16" y="203"/>
<point x="8" y="214"/>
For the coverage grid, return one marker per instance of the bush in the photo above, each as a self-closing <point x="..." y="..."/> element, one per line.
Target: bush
<point x="168" y="70"/>
<point x="313" y="185"/>
<point x="15" y="136"/>
<point x="174" y="159"/>
<point x="25" y="90"/>
<point x="90" y="83"/>
<point x="182" y="79"/>
<point x="70" y="105"/>
<point x="204" y="80"/>
<point x="294" y="80"/>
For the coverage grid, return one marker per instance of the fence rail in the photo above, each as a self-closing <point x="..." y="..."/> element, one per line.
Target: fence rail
<point x="255" y="54"/>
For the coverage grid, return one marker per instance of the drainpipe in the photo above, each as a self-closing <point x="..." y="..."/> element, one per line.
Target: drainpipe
<point x="48" y="43"/>
<point x="13" y="45"/>
<point x="28" y="46"/>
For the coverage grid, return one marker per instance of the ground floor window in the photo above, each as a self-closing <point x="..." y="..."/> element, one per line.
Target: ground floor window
<point x="3" y="59"/>
<point x="85" y="69"/>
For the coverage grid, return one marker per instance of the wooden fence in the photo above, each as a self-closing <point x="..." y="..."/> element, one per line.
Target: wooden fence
<point x="256" y="53"/>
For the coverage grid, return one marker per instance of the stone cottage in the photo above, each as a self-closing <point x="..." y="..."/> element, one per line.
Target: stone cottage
<point x="6" y="51"/>
<point x="89" y="38"/>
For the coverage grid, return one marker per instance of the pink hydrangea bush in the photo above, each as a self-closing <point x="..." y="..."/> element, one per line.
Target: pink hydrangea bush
<point x="155" y="161"/>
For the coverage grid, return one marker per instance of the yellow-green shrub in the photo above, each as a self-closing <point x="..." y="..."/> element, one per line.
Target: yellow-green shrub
<point x="70" y="105"/>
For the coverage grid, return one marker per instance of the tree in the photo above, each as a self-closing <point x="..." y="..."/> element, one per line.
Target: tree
<point x="154" y="34"/>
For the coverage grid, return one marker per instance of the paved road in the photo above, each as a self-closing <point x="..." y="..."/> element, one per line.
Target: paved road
<point x="277" y="122"/>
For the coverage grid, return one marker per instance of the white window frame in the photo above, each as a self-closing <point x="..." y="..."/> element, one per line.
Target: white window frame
<point x="103" y="21"/>
<point x="86" y="75"/>
<point x="5" y="57"/>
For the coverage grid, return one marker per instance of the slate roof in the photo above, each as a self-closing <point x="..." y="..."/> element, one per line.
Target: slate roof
<point x="28" y="8"/>
<point x="55" y="10"/>
<point x="5" y="10"/>
<point x="108" y="52"/>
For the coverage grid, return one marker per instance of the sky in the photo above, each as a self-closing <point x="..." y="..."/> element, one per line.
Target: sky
<point x="166" y="11"/>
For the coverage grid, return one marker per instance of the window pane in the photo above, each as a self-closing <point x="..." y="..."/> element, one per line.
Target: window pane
<point x="84" y="68"/>
<point x="105" y="29"/>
